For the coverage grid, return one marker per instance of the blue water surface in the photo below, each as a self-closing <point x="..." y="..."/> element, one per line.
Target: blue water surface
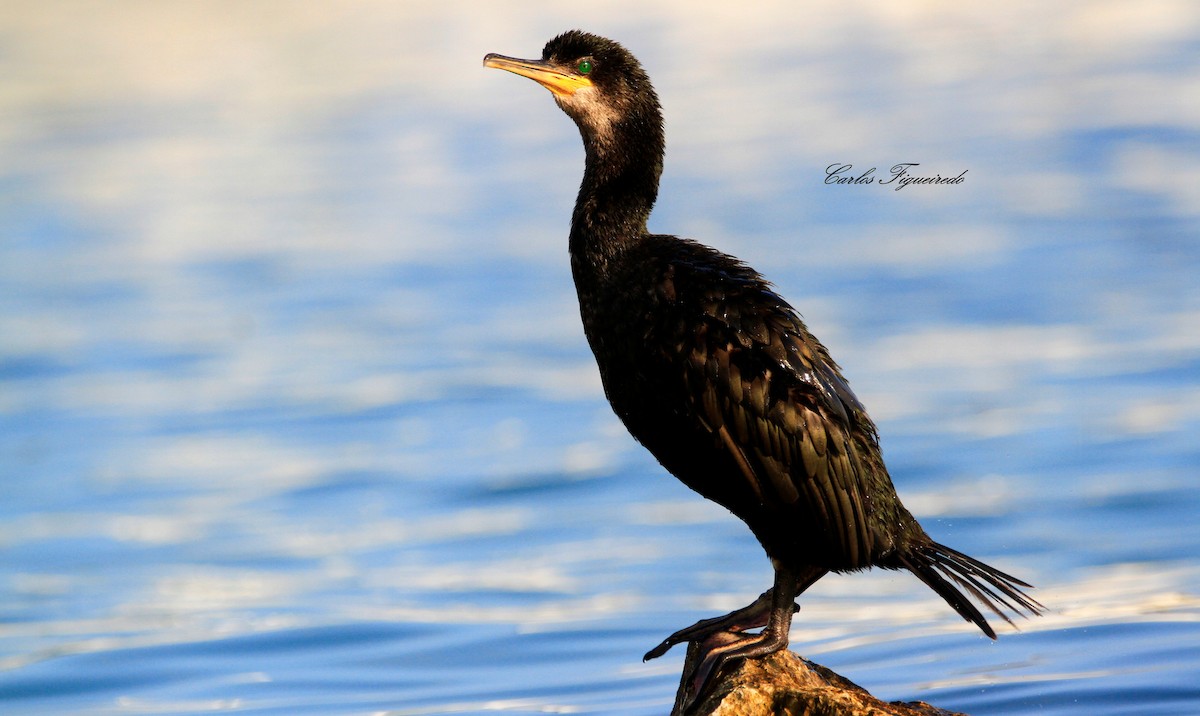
<point x="297" y="417"/>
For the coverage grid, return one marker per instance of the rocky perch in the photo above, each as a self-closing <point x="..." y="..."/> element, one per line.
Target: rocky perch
<point x="784" y="684"/>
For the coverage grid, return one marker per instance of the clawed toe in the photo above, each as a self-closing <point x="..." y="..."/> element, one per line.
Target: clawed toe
<point x="661" y="649"/>
<point x="752" y="616"/>
<point x="724" y="639"/>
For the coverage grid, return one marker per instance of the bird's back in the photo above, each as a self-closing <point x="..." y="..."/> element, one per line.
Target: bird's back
<point x="720" y="379"/>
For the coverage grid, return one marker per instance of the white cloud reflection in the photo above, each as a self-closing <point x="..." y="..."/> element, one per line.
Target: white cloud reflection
<point x="214" y="150"/>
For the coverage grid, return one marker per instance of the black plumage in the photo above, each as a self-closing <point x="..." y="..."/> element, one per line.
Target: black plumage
<point x="717" y="376"/>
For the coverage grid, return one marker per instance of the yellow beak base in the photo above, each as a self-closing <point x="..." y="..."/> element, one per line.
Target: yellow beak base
<point x="561" y="83"/>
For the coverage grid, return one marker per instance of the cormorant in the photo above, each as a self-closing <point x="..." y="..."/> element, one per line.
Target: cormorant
<point x="718" y="377"/>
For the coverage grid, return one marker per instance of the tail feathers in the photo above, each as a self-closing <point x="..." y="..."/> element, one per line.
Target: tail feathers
<point x="933" y="563"/>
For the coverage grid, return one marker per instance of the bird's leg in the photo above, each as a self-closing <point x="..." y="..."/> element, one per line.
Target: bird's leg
<point x="751" y="616"/>
<point x="773" y="637"/>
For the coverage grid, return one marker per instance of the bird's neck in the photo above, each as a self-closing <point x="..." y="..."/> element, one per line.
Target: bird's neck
<point x="620" y="184"/>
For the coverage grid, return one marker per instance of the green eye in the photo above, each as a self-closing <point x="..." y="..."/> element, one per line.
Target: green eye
<point x="584" y="67"/>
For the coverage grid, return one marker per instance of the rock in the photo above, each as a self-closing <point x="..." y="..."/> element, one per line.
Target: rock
<point x="784" y="684"/>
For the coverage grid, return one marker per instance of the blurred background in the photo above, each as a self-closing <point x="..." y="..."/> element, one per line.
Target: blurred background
<point x="297" y="417"/>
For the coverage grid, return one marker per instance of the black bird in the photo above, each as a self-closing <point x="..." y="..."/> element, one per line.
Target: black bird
<point x="718" y="377"/>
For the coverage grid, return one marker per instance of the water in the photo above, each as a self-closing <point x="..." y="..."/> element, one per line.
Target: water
<point x="296" y="415"/>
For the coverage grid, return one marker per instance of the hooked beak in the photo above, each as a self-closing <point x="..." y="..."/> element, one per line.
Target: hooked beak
<point x="562" y="84"/>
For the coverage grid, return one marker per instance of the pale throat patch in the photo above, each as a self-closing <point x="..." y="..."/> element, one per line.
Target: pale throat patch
<point x="591" y="109"/>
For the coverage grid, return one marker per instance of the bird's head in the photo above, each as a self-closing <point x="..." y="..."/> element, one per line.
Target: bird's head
<point x="595" y="80"/>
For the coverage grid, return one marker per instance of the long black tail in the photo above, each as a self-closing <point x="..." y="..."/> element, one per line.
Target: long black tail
<point x="933" y="563"/>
